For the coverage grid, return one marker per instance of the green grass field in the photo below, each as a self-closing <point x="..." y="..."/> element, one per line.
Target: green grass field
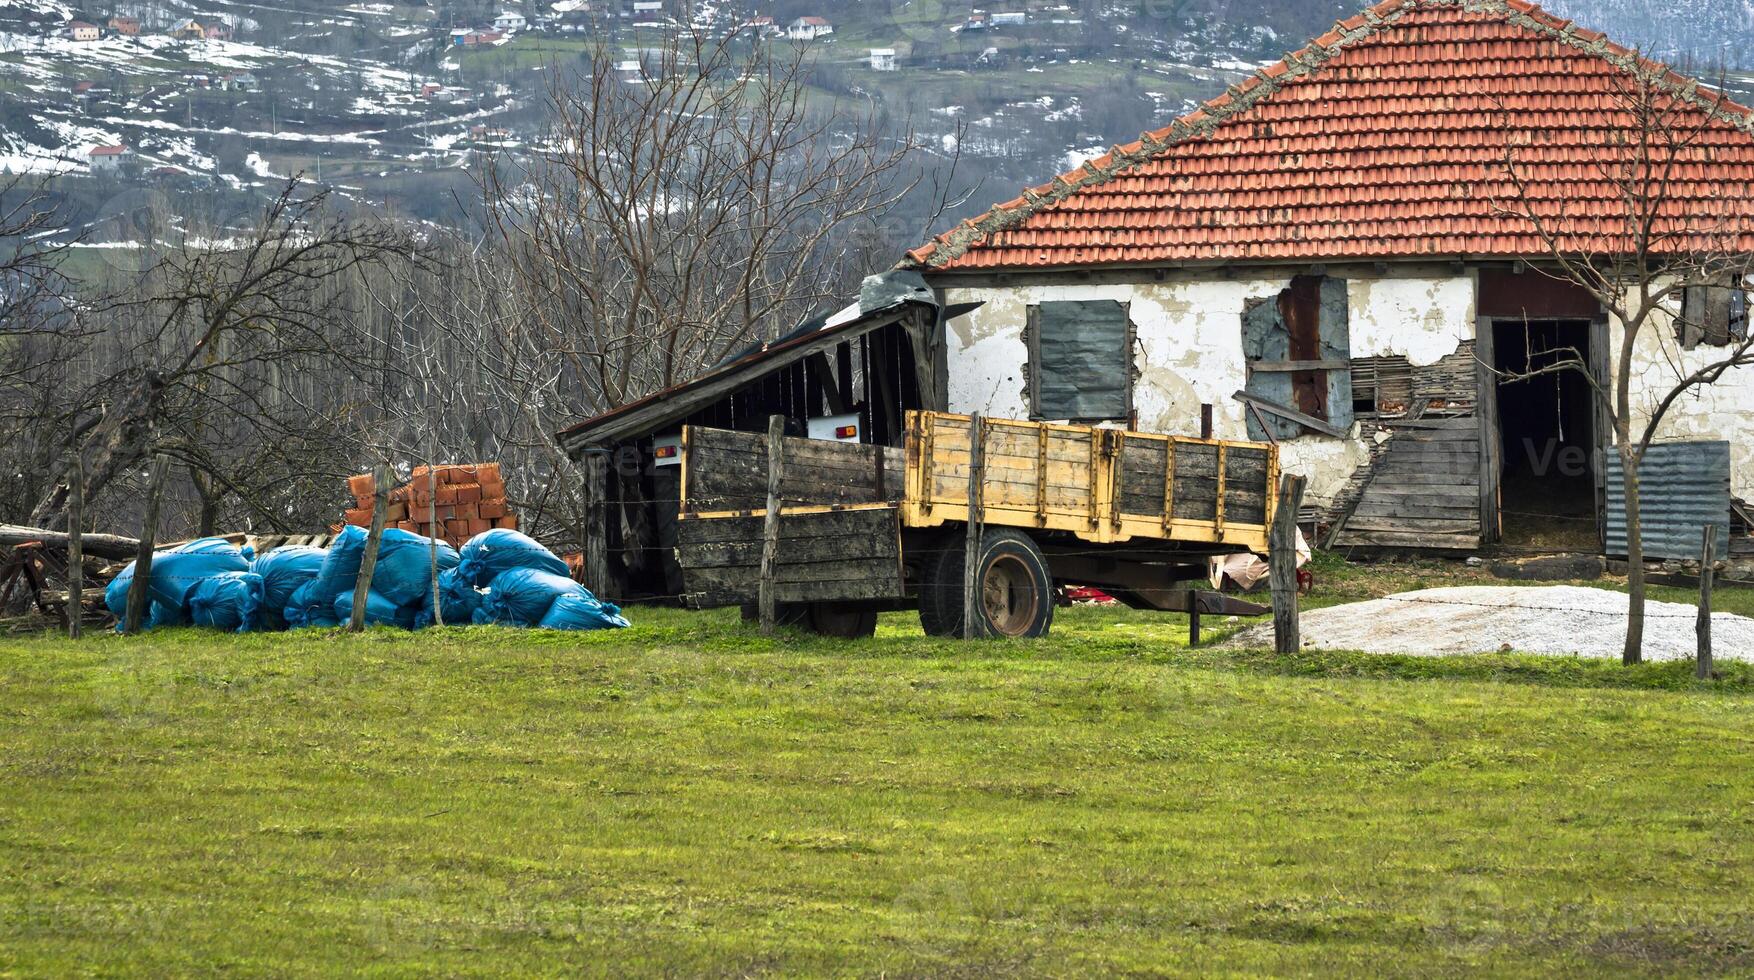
<point x="687" y="797"/>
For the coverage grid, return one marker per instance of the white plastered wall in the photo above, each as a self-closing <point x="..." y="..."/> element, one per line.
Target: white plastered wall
<point x="1190" y="351"/>
<point x="1721" y="411"/>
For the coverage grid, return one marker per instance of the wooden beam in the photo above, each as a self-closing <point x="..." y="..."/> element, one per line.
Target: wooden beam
<point x="1707" y="572"/>
<point x="1291" y="367"/>
<point x="75" y="546"/>
<point x="139" y="595"/>
<point x="1282" y="563"/>
<point x="1307" y="421"/>
<point x="382" y="477"/>
<point x="770" y="528"/>
<point x="112" y="546"/>
<point x="596" y="570"/>
<point x="971" y="547"/>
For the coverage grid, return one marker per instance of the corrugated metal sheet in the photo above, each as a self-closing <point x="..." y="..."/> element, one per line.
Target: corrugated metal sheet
<point x="1683" y="487"/>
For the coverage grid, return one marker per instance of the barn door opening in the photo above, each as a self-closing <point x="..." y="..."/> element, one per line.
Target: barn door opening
<point x="1547" y="425"/>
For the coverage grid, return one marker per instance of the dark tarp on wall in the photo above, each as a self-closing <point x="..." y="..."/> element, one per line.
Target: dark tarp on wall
<point x="1082" y="361"/>
<point x="1309" y="321"/>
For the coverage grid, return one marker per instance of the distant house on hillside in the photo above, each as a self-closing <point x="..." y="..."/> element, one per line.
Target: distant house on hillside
<point x="109" y="159"/>
<point x="1014" y="19"/>
<point x="431" y="90"/>
<point x="240" y="81"/>
<point x="217" y="32"/>
<point x="809" y="28"/>
<point x="509" y="20"/>
<point x="125" y="26"/>
<point x="79" y="30"/>
<point x="187" y="30"/>
<point x="460" y="36"/>
<point x="977" y="21"/>
<point x="882" y="59"/>
<point x="759" y="27"/>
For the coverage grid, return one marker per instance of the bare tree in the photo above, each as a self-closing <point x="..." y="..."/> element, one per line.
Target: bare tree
<point x="686" y="205"/>
<point x="1665" y="247"/>
<point x="234" y="357"/>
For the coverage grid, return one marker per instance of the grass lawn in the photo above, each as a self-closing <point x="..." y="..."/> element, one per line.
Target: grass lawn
<point x="688" y="797"/>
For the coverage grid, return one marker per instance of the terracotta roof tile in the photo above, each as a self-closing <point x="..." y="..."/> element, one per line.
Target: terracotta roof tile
<point x="1386" y="138"/>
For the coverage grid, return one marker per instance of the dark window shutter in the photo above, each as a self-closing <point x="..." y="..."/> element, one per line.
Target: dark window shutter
<point x="1081" y="361"/>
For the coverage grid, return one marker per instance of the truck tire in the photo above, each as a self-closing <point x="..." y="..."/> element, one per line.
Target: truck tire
<point x="941" y="589"/>
<point x="1017" y="589"/>
<point x="841" y="620"/>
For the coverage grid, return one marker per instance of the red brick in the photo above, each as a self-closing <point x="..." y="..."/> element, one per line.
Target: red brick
<point x="491" y="510"/>
<point x="478" y="525"/>
<point x="509" y="522"/>
<point x="457" y="529"/>
<point x="446" y="493"/>
<point x="488" y="472"/>
<point x="492" y="489"/>
<point x="396" y="512"/>
<point x="468" y="493"/>
<point x="358" y="515"/>
<point x="361" y="485"/>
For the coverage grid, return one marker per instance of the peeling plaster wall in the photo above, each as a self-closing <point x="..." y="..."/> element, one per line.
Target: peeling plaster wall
<point x="1722" y="411"/>
<point x="1190" y="351"/>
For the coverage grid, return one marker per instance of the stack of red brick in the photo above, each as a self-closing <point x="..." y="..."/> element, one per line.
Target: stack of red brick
<point x="465" y="499"/>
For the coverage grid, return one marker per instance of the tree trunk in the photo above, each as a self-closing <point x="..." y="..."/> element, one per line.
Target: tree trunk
<point x="1635" y="590"/>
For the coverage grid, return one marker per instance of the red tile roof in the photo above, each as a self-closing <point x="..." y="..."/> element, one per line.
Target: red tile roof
<point x="1385" y="138"/>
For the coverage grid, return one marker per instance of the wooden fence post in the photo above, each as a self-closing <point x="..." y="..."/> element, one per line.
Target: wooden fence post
<point x="368" y="565"/>
<point x="1282" y="565"/>
<point x="972" y="625"/>
<point x="438" y="612"/>
<point x="770" y="529"/>
<point x="596" y="571"/>
<point x="139" y="595"/>
<point x="75" y="545"/>
<point x="1707" y="572"/>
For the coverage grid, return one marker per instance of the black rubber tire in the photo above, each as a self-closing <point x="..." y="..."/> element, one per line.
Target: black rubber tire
<point x="1021" y="568"/>
<point x="941" y="588"/>
<point x="841" y="620"/>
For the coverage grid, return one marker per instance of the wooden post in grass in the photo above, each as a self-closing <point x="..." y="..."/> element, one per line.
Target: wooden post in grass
<point x="770" y="529"/>
<point x="971" y="545"/>
<point x="1707" y="572"/>
<point x="75" y="545"/>
<point x="139" y="595"/>
<point x="381" y="477"/>
<point x="438" y="613"/>
<point x="1282" y="565"/>
<point x="596" y="571"/>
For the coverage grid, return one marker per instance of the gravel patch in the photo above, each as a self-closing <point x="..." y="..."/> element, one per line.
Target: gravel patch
<point x="1562" y="620"/>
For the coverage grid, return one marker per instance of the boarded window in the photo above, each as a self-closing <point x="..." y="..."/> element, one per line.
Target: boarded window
<point x="1298" y="348"/>
<point x="1715" y="316"/>
<point x="1081" y="361"/>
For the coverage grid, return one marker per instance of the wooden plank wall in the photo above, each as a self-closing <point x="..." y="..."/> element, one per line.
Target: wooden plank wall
<point x="824" y="556"/>
<point x="1422" y="492"/>
<point x="1101" y="484"/>
<point x="726" y="472"/>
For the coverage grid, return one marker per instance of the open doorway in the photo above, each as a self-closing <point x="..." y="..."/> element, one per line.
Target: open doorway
<point x="1547" y="425"/>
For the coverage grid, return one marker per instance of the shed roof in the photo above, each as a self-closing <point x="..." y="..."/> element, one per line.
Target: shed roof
<point x="1385" y="138"/>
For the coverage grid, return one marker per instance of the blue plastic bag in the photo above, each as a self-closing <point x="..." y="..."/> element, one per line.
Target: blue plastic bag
<point x="582" y="611"/>
<point x="340" y="568"/>
<point x="458" y="601"/>
<point x="283" y="570"/>
<point x="403" y="573"/>
<point x="521" y="596"/>
<point x="379" y="610"/>
<point x="489" y="553"/>
<point x="303" y="610"/>
<point x="174" y="574"/>
<point x="227" y="601"/>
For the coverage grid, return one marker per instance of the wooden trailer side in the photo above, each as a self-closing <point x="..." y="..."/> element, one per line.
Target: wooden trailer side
<point x="1103" y="485"/>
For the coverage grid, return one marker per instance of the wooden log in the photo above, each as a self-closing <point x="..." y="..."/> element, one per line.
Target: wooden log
<point x="111" y="546"/>
<point x="438" y="613"/>
<point x="596" y="570"/>
<point x="139" y="595"/>
<point x="1282" y="562"/>
<point x="770" y="530"/>
<point x="971" y="546"/>
<point x="368" y="564"/>
<point x="75" y="546"/>
<point x="1707" y="572"/>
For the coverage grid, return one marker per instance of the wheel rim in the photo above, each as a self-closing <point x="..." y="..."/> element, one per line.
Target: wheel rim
<point x="1008" y="596"/>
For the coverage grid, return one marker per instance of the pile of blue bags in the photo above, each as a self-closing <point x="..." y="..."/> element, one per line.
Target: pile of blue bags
<point x="500" y="577"/>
